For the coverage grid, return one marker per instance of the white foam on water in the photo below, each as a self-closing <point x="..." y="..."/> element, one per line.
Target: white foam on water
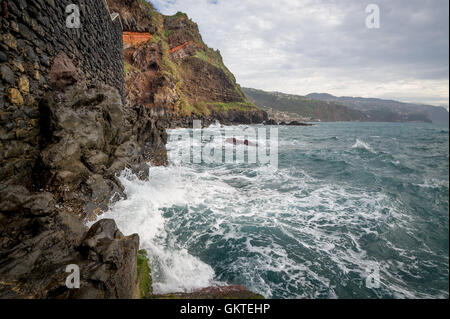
<point x="363" y="145"/>
<point x="282" y="223"/>
<point x="174" y="269"/>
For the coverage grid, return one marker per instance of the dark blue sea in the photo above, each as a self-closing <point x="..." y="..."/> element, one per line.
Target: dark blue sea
<point x="354" y="210"/>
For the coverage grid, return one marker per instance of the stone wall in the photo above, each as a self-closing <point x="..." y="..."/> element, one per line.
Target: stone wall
<point x="33" y="32"/>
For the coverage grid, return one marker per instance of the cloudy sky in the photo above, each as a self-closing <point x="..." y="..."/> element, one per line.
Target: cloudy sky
<point x="305" y="46"/>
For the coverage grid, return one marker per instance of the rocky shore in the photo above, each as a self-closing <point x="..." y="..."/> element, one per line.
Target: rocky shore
<point x="72" y="120"/>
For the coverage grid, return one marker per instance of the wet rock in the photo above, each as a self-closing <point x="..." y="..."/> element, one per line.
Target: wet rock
<point x="88" y="137"/>
<point x="3" y="57"/>
<point x="17" y="198"/>
<point x="111" y="263"/>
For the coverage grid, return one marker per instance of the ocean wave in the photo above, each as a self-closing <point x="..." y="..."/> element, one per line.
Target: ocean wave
<point x="173" y="268"/>
<point x="363" y="145"/>
<point x="290" y="232"/>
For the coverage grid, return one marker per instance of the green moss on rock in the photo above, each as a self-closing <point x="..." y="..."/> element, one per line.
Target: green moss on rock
<point x="144" y="275"/>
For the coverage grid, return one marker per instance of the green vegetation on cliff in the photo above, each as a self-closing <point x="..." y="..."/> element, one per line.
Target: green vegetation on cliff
<point x="185" y="76"/>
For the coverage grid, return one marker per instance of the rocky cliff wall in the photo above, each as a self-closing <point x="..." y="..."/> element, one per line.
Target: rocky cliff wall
<point x="33" y="33"/>
<point x="176" y="73"/>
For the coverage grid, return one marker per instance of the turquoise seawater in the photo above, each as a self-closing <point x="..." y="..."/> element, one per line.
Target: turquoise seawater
<point x="347" y="198"/>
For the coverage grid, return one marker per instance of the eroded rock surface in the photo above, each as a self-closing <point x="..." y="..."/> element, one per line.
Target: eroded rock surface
<point x="38" y="241"/>
<point x="177" y="75"/>
<point x="88" y="137"/>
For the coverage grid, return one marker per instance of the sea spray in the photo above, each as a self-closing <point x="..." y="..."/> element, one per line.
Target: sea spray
<point x="314" y="228"/>
<point x="173" y="268"/>
<point x="363" y="145"/>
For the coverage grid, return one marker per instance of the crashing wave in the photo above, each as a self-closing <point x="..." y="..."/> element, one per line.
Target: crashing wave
<point x="363" y="145"/>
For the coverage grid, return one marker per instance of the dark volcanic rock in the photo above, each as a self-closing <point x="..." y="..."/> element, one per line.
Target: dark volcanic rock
<point x="38" y="241"/>
<point x="88" y="137"/>
<point x="64" y="137"/>
<point x="295" y="123"/>
<point x="254" y="116"/>
<point x="109" y="269"/>
<point x="270" y="122"/>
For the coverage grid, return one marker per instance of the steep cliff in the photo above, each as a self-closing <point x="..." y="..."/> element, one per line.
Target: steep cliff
<point x="176" y="73"/>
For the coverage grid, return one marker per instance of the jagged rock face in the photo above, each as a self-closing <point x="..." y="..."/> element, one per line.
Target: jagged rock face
<point x="88" y="136"/>
<point x="38" y="241"/>
<point x="181" y="30"/>
<point x="111" y="260"/>
<point x="146" y="82"/>
<point x="176" y="74"/>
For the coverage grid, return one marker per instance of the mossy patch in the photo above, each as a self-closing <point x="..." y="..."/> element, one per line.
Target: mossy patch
<point x="144" y="275"/>
<point x="180" y="14"/>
